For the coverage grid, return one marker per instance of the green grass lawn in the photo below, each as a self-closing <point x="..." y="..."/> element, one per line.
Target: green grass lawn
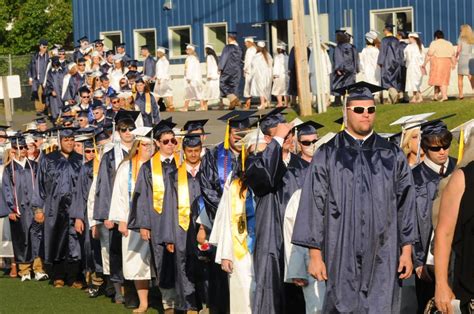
<point x="40" y="297"/>
<point x="387" y="114"/>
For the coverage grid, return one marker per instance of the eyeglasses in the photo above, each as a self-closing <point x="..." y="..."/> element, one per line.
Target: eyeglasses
<point x="307" y="143"/>
<point x="88" y="151"/>
<point x="123" y="130"/>
<point x="85" y="96"/>
<point x="61" y="54"/>
<point x="96" y="112"/>
<point x="82" y="64"/>
<point x="116" y="101"/>
<point x="167" y="141"/>
<point x="20" y="147"/>
<point x="438" y="148"/>
<point x="361" y="110"/>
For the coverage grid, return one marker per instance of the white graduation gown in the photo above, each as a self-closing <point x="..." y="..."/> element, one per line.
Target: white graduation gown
<point x="368" y="65"/>
<point x="136" y="254"/>
<point x="212" y="85"/>
<point x="241" y="281"/>
<point x="280" y="75"/>
<point x="115" y="76"/>
<point x="6" y="246"/>
<point x="413" y="60"/>
<point x="193" y="78"/>
<point x="261" y="77"/>
<point x="326" y="71"/>
<point x="297" y="260"/>
<point x="163" y="78"/>
<point x="249" y="54"/>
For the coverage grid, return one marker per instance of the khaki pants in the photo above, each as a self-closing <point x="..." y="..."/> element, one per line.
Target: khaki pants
<point x="39" y="105"/>
<point x="25" y="269"/>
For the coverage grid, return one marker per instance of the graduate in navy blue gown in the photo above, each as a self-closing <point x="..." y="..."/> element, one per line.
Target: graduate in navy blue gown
<point x="56" y="180"/>
<point x="54" y="88"/>
<point x="346" y="64"/>
<point x="391" y="60"/>
<point x="230" y="68"/>
<point x="435" y="142"/>
<point x="37" y="74"/>
<point x="356" y="214"/>
<point x="146" y="102"/>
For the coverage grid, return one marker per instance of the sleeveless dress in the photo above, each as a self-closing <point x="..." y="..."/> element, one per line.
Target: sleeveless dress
<point x="463" y="242"/>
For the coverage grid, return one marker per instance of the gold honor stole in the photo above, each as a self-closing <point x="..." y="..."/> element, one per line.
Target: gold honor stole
<point x="158" y="183"/>
<point x="184" y="206"/>
<point x="147" y="103"/>
<point x="238" y="220"/>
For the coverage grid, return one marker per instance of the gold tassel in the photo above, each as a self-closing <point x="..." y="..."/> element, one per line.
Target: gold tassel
<point x="227" y="136"/>
<point x="461" y="146"/>
<point x="243" y="157"/>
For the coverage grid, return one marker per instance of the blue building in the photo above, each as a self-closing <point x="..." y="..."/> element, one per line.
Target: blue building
<point x="173" y="23"/>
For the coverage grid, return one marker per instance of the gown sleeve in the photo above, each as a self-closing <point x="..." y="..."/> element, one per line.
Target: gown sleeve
<point x="311" y="211"/>
<point x="142" y="203"/>
<point x="210" y="186"/>
<point x="8" y="191"/>
<point x="79" y="196"/>
<point x="104" y="188"/>
<point x="39" y="196"/>
<point x="224" y="58"/>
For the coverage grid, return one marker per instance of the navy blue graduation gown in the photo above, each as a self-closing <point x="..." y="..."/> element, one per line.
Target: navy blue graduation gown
<point x="106" y="67"/>
<point x="426" y="185"/>
<point x="144" y="216"/>
<point x="56" y="182"/>
<point x="55" y="83"/>
<point x="152" y="118"/>
<point x="346" y="61"/>
<point x="18" y="189"/>
<point x="76" y="81"/>
<point x="273" y="184"/>
<point x="293" y="83"/>
<point x="149" y="66"/>
<point x="357" y="206"/>
<point x="90" y="248"/>
<point x="77" y="54"/>
<point x="37" y="70"/>
<point x="230" y="66"/>
<point x="391" y="61"/>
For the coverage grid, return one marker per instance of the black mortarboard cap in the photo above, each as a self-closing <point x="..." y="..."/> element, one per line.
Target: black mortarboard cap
<point x="164" y="125"/>
<point x="359" y="91"/>
<point x="131" y="75"/>
<point x="83" y="89"/>
<point x="43" y="42"/>
<point x="98" y="41"/>
<point x="339" y="121"/>
<point x="67" y="119"/>
<point x="238" y="119"/>
<point x="144" y="47"/>
<point x="121" y="45"/>
<point x="126" y="115"/>
<point x="193" y="125"/>
<point x="18" y="140"/>
<point x="133" y="63"/>
<point x="192" y="140"/>
<point x="433" y="128"/>
<point x="4" y="127"/>
<point x="66" y="131"/>
<point x="81" y="60"/>
<point x="271" y="119"/>
<point x="67" y="109"/>
<point x="308" y="128"/>
<point x="82" y="39"/>
<point x="55" y="61"/>
<point x="96" y="104"/>
<point x="41" y="120"/>
<point x="101" y="133"/>
<point x="109" y="52"/>
<point x="340" y="31"/>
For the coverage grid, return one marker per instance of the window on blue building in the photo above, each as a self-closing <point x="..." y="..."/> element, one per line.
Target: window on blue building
<point x="216" y="34"/>
<point x="178" y="37"/>
<point x="402" y="18"/>
<point x="144" y="37"/>
<point x="111" y="39"/>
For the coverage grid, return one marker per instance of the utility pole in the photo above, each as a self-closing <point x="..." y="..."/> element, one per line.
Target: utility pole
<point x="317" y="55"/>
<point x="301" y="58"/>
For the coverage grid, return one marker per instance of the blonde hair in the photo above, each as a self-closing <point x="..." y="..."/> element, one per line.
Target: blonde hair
<point x="467" y="34"/>
<point x="407" y="138"/>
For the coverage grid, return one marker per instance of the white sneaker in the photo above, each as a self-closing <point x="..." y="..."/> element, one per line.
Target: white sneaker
<point x="25" y="277"/>
<point x="40" y="276"/>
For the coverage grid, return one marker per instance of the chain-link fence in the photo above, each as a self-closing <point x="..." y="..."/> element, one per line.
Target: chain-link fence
<point x="18" y="65"/>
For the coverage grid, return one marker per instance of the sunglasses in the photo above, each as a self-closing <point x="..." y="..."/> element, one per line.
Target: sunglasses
<point x="61" y="54"/>
<point x="88" y="151"/>
<point x="307" y="143"/>
<point x="82" y="64"/>
<point x="85" y="96"/>
<point x="173" y="141"/>
<point x="123" y="130"/>
<point x="116" y="101"/>
<point x="20" y="147"/>
<point x="99" y="45"/>
<point x="438" y="148"/>
<point x="361" y="110"/>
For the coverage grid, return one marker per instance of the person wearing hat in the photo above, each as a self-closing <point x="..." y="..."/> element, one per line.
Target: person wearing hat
<point x="106" y="88"/>
<point x="63" y="61"/>
<point x="162" y="87"/>
<point x="146" y="103"/>
<point x="435" y="141"/>
<point x="149" y="63"/>
<point x="250" y="52"/>
<point x="37" y="74"/>
<point x="117" y="73"/>
<point x="326" y="70"/>
<point x="346" y="64"/>
<point x="273" y="176"/>
<point x="136" y="254"/>
<point x="76" y="82"/>
<point x="193" y="90"/>
<point x="391" y="61"/>
<point x="121" y="53"/>
<point x="369" y="57"/>
<point x="293" y="84"/>
<point x="261" y="75"/>
<point x="280" y="76"/>
<point x="56" y="180"/>
<point x="53" y="88"/>
<point x="98" y="110"/>
<point x="234" y="229"/>
<point x="81" y="51"/>
<point x="362" y="274"/>
<point x="307" y="136"/>
<point x="109" y="162"/>
<point x="99" y="47"/>
<point x="230" y="70"/>
<point x="18" y="187"/>
<point x="108" y="62"/>
<point x="413" y="54"/>
<point x="71" y="70"/>
<point x="212" y="91"/>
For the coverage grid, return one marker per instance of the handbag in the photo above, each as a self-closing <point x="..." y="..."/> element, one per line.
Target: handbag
<point x="431" y="307"/>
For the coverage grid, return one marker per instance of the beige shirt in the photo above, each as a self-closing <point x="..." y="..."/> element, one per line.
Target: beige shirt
<point x="441" y="48"/>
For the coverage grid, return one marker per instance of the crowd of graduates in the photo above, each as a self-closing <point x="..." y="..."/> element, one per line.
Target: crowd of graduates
<point x="112" y="198"/>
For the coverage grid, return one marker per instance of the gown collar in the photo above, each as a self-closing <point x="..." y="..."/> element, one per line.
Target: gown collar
<point x="435" y="167"/>
<point x="355" y="140"/>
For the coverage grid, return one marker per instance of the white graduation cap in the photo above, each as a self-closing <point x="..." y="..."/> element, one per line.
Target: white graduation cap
<point x="125" y="95"/>
<point x="250" y="39"/>
<point x="117" y="58"/>
<point x="281" y="45"/>
<point x="191" y="46"/>
<point x="83" y="137"/>
<point x="261" y="43"/>
<point x="412" y="120"/>
<point x="30" y="126"/>
<point x="414" y="34"/>
<point x="96" y="74"/>
<point x="211" y="46"/>
<point x="29" y="139"/>
<point x="296" y="122"/>
<point x="95" y="53"/>
<point x="71" y="65"/>
<point x="142" y="133"/>
<point x="161" y="49"/>
<point x="371" y="36"/>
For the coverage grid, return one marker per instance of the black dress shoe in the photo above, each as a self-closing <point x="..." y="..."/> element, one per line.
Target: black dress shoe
<point x="94" y="291"/>
<point x="131" y="301"/>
